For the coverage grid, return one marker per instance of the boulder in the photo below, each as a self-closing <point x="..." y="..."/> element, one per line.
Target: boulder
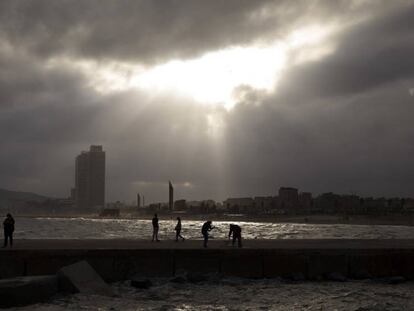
<point x="82" y="278"/>
<point x="295" y="277"/>
<point x="141" y="283"/>
<point x="396" y="280"/>
<point x="178" y="279"/>
<point x="391" y="280"/>
<point x="336" y="276"/>
<point x="197" y="277"/>
<point x="27" y="290"/>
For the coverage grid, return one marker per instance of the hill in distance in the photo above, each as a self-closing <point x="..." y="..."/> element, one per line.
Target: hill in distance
<point x="12" y="196"/>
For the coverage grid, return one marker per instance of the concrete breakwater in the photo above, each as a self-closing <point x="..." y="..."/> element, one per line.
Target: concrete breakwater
<point x="302" y="259"/>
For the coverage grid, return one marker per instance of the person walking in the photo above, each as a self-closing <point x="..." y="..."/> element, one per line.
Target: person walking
<point x="178" y="230"/>
<point x="155" y="228"/>
<point x="235" y="231"/>
<point x="207" y="227"/>
<point x="8" y="226"/>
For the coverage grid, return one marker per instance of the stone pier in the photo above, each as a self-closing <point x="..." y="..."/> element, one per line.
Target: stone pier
<point x="305" y="259"/>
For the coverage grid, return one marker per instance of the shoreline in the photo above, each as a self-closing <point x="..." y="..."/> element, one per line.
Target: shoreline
<point x="390" y="220"/>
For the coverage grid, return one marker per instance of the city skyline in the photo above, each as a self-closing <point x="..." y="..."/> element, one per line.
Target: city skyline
<point x="223" y="98"/>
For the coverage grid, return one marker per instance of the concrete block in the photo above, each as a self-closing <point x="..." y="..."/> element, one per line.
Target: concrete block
<point x="178" y="279"/>
<point x="372" y="264"/>
<point x="288" y="264"/>
<point x="242" y="263"/>
<point x="11" y="265"/>
<point x="104" y="266"/>
<point x="144" y="263"/>
<point x="325" y="263"/>
<point x="336" y="277"/>
<point x="47" y="262"/>
<point x="81" y="277"/>
<point x="402" y="263"/>
<point x="197" y="277"/>
<point x="141" y="283"/>
<point x="27" y="290"/>
<point x="195" y="261"/>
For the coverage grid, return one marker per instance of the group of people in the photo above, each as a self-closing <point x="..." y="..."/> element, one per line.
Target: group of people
<point x="156" y="228"/>
<point x="234" y="232"/>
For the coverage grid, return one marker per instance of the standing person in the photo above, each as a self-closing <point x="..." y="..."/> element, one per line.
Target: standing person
<point x="178" y="230"/>
<point x="8" y="226"/>
<point x="235" y="230"/>
<point x="207" y="227"/>
<point x="155" y="228"/>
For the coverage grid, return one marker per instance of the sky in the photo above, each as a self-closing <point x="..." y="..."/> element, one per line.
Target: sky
<point x="226" y="99"/>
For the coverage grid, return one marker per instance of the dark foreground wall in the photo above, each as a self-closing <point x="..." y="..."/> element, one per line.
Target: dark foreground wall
<point x="118" y="264"/>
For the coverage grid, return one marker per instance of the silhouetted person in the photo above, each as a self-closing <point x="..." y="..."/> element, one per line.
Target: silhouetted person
<point x="178" y="230"/>
<point x="155" y="228"/>
<point x="235" y="231"/>
<point x="207" y="227"/>
<point x="8" y="226"/>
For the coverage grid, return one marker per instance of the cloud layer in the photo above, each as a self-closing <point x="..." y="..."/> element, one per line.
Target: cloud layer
<point x="339" y="123"/>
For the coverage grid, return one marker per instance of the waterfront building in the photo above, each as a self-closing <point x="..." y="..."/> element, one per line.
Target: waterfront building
<point x="90" y="178"/>
<point x="239" y="205"/>
<point x="288" y="197"/>
<point x="264" y="205"/>
<point x="305" y="200"/>
<point x="180" y="205"/>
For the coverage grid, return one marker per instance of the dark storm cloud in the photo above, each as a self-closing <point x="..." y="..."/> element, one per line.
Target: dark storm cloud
<point x="352" y="130"/>
<point x="376" y="52"/>
<point x="148" y="31"/>
<point x="341" y="123"/>
<point x="361" y="144"/>
<point x="137" y="30"/>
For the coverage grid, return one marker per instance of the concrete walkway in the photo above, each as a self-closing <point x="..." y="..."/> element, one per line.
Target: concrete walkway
<point x="91" y="244"/>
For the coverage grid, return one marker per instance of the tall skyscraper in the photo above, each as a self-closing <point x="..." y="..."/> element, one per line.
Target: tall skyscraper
<point x="171" y="195"/>
<point x="90" y="178"/>
<point x="138" y="200"/>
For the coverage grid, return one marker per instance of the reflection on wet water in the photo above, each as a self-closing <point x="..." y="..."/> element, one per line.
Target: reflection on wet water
<point x="82" y="228"/>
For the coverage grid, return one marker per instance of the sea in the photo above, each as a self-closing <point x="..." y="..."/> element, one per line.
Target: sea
<point x="99" y="228"/>
<point x="216" y="293"/>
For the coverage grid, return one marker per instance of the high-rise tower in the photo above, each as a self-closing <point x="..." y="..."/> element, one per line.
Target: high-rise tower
<point x="90" y="178"/>
<point x="171" y="195"/>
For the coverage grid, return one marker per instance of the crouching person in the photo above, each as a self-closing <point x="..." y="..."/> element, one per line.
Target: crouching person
<point x="235" y="231"/>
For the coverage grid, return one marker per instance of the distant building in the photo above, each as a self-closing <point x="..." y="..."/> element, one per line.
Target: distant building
<point x="170" y="196"/>
<point x="288" y="197"/>
<point x="138" y="200"/>
<point x="90" y="178"/>
<point x="73" y="194"/>
<point x="408" y="204"/>
<point x="264" y="204"/>
<point x="110" y="212"/>
<point x="158" y="207"/>
<point x="239" y="205"/>
<point x="180" y="205"/>
<point x="305" y="200"/>
<point x="201" y="207"/>
<point x="328" y="203"/>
